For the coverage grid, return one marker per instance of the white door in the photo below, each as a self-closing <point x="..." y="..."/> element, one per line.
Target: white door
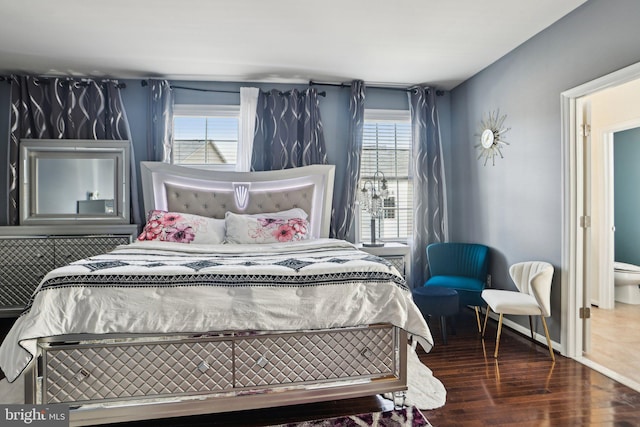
<point x="607" y="228"/>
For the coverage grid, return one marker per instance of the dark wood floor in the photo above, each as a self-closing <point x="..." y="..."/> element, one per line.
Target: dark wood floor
<point x="523" y="388"/>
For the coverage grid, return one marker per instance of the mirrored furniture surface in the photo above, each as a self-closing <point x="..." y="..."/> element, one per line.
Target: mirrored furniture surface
<point x="28" y="253"/>
<point x="74" y="203"/>
<point x="74" y="182"/>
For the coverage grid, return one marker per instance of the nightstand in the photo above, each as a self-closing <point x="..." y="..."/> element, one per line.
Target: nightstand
<point x="396" y="253"/>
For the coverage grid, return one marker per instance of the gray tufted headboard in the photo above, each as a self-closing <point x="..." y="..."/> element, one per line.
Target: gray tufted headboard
<point x="212" y="193"/>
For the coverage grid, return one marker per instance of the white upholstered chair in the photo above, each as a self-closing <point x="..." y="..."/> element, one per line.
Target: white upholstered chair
<point x="533" y="298"/>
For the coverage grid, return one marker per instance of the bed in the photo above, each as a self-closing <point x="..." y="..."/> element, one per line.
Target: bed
<point x="233" y="298"/>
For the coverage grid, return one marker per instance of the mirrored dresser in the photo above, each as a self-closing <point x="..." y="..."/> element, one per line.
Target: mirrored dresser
<point x="27" y="253"/>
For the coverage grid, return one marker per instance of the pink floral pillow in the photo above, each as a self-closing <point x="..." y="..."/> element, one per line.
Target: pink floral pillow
<point x="286" y="226"/>
<point x="182" y="228"/>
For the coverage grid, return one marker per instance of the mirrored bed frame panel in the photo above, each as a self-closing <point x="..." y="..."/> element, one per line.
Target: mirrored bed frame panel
<point x="342" y="363"/>
<point x="65" y="182"/>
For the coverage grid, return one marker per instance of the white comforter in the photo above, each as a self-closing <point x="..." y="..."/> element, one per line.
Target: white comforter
<point x="162" y="287"/>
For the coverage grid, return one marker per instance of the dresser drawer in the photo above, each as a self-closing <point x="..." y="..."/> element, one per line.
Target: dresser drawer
<point x="23" y="264"/>
<point x="26" y="252"/>
<point x="17" y="283"/>
<point x="323" y="356"/>
<point x="82" y="373"/>
<point x="71" y="249"/>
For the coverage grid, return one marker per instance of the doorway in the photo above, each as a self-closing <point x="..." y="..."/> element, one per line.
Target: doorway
<point x="591" y="114"/>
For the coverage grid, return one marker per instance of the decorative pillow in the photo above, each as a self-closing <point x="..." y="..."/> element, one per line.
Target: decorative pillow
<point x="289" y="213"/>
<point x="278" y="227"/>
<point x="182" y="228"/>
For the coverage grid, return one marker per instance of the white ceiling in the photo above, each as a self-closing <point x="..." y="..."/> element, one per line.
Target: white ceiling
<point x="388" y="42"/>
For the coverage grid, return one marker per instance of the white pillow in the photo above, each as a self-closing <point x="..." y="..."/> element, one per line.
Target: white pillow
<point x="289" y="213"/>
<point x="278" y="227"/>
<point x="182" y="228"/>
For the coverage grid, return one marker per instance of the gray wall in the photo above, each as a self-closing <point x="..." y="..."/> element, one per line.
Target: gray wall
<point x="626" y="180"/>
<point x="515" y="206"/>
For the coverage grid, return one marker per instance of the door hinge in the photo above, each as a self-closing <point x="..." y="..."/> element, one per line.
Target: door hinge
<point x="585" y="221"/>
<point x="585" y="313"/>
<point x="585" y="129"/>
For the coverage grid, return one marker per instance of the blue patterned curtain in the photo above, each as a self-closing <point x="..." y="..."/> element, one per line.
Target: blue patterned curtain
<point x="57" y="108"/>
<point x="344" y="201"/>
<point x="429" y="189"/>
<point x="160" y="133"/>
<point x="288" y="131"/>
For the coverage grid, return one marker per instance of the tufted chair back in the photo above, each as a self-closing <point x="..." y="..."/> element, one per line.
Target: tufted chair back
<point x="458" y="259"/>
<point x="534" y="278"/>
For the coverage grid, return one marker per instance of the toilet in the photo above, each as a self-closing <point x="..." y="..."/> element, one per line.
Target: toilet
<point x="627" y="282"/>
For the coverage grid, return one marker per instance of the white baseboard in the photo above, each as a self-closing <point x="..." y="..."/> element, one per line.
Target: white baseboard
<point x="609" y="373"/>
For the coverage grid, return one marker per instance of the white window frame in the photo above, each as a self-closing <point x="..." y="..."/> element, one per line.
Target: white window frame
<point x="209" y="110"/>
<point x="381" y="115"/>
<point x="387" y="115"/>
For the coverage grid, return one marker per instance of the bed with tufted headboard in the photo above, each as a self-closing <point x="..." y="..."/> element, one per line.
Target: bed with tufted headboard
<point x="232" y="298"/>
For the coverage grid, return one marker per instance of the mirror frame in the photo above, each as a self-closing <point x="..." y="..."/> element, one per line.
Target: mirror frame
<point x="33" y="149"/>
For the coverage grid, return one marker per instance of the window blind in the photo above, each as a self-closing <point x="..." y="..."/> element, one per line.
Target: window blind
<point x="387" y="149"/>
<point x="205" y="136"/>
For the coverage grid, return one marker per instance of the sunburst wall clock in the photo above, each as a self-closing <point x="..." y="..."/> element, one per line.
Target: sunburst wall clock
<point x="492" y="138"/>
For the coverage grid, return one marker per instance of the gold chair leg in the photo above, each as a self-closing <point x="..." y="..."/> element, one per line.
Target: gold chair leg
<point x="546" y="332"/>
<point x="486" y="317"/>
<point x="495" y="353"/>
<point x="478" y="319"/>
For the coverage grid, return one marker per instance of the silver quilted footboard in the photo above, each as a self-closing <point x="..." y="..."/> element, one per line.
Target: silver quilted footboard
<point x="127" y="378"/>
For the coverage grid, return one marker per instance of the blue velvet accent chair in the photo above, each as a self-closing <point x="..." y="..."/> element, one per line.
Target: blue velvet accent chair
<point x="460" y="266"/>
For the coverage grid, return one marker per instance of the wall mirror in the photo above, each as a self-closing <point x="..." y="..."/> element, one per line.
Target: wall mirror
<point x="74" y="182"/>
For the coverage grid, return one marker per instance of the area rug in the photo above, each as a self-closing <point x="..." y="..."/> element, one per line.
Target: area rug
<point x="409" y="416"/>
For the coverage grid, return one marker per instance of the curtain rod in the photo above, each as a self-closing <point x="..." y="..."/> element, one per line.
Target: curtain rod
<point x="46" y="80"/>
<point x="145" y="83"/>
<point x="403" y="89"/>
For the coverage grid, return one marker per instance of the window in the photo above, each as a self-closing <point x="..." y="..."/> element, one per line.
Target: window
<point x="205" y="134"/>
<point x="387" y="149"/>
<point x="389" y="204"/>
